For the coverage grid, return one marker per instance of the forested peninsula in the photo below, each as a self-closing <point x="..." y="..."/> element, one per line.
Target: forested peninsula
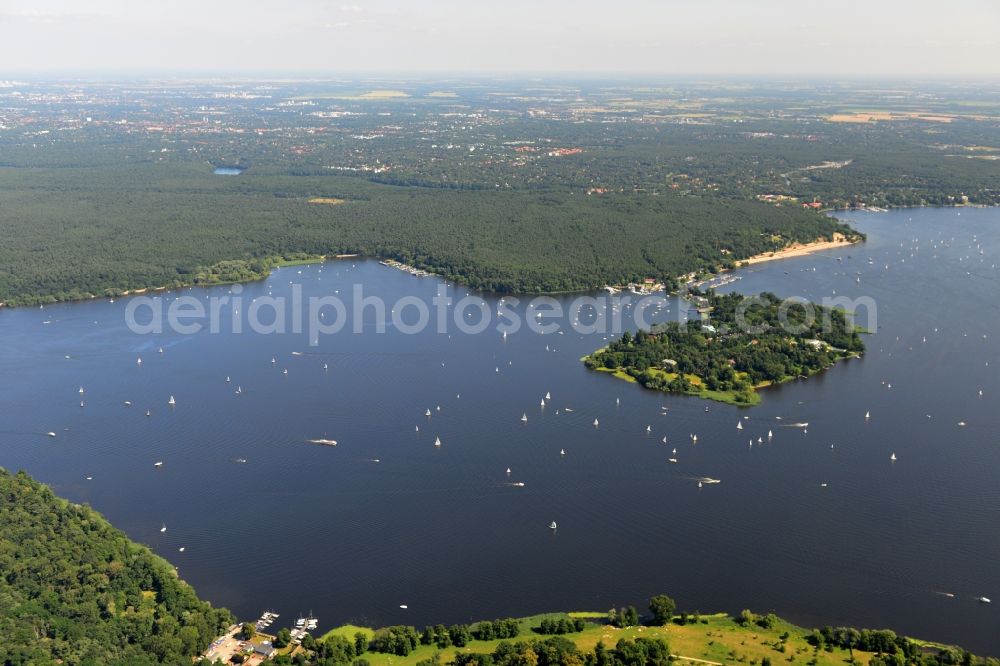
<point x="72" y="234"/>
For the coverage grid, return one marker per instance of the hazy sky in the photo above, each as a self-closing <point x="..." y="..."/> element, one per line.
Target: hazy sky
<point x="756" y="37"/>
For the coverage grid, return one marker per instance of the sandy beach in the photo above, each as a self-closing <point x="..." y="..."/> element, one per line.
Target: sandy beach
<point x="798" y="250"/>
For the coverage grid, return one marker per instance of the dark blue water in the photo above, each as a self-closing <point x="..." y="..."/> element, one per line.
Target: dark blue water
<point x="301" y="527"/>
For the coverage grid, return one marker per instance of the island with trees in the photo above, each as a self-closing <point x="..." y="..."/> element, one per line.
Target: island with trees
<point x="740" y="346"/>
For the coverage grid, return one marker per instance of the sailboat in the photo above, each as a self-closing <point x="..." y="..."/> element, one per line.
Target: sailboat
<point x="138" y="360"/>
<point x="595" y="423"/>
<point x="664" y="439"/>
<point x="416" y="428"/>
<point x="893" y="457"/>
<point x="694" y="438"/>
<point x="437" y="441"/>
<point x="427" y="413"/>
<point x="148" y="413"/>
<point x="80" y="391"/>
<point x="508" y="471"/>
<point x="770" y="435"/>
<point x="548" y="396"/>
<point x="524" y="418"/>
<point x="160" y="350"/>
<point x="543" y="402"/>
<point x="326" y="367"/>
<point x="228" y="379"/>
<point x="739" y="425"/>
<point x="164" y="528"/>
<point x="171" y="401"/>
<point x="649" y="429"/>
<point x="553" y="525"/>
<point x="868" y="415"/>
<point x="699" y="484"/>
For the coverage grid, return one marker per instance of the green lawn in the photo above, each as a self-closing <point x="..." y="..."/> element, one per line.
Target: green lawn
<point x="728" y="397"/>
<point x="716" y="638"/>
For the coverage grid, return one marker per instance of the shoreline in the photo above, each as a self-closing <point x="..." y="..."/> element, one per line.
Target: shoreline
<point x="798" y="250"/>
<point x="794" y="250"/>
<point x="693" y="637"/>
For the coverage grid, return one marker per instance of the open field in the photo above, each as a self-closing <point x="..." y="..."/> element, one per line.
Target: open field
<point x="716" y="639"/>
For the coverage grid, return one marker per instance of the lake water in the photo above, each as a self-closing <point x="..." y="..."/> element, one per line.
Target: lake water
<point x="300" y="527"/>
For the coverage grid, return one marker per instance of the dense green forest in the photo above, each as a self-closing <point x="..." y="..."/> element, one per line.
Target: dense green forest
<point x="74" y="590"/>
<point x="506" y="186"/>
<point x="74" y="232"/>
<point x="741" y="345"/>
